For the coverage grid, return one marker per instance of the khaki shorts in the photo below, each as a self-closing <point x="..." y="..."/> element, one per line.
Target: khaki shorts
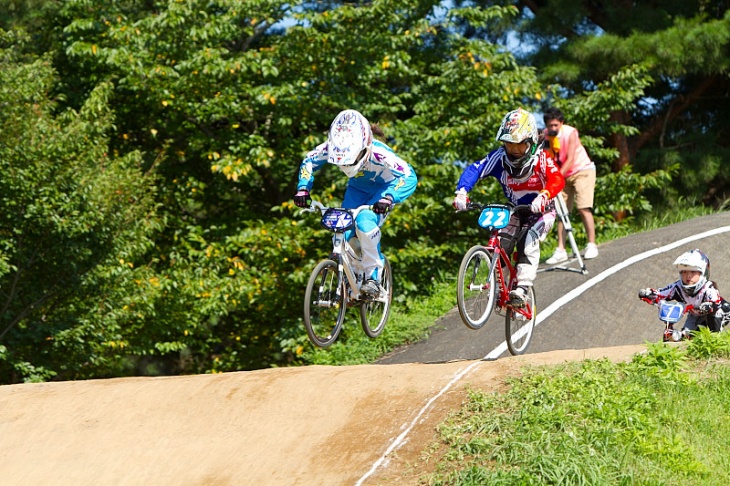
<point x="579" y="188"/>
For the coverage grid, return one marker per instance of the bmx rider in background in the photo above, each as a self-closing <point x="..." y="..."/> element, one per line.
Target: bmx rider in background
<point x="709" y="309"/>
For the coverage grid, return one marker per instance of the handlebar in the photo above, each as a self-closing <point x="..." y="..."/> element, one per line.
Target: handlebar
<point x="318" y="206"/>
<point x="314" y="206"/>
<point x="656" y="301"/>
<point x="512" y="207"/>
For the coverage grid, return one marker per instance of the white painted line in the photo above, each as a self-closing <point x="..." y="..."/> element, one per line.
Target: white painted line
<point x="400" y="440"/>
<point x="549" y="310"/>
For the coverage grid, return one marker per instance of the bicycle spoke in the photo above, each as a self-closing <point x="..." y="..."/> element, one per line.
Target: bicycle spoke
<point x="476" y="289"/>
<point x="374" y="313"/>
<point x="520" y="324"/>
<point x="324" y="309"/>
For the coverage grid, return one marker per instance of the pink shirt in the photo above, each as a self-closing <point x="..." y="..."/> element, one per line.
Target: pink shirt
<point x="568" y="137"/>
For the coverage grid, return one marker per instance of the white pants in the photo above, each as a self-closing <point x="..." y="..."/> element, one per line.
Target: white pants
<point x="537" y="228"/>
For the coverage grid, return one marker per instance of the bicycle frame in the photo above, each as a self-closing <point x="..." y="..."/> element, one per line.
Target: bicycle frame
<point x="342" y="252"/>
<point x="505" y="261"/>
<point x="494" y="245"/>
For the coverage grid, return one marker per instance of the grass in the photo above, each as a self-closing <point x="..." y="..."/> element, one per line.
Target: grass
<point x="663" y="418"/>
<point x="409" y="321"/>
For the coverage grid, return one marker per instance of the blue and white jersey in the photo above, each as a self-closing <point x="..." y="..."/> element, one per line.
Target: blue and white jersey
<point x="384" y="173"/>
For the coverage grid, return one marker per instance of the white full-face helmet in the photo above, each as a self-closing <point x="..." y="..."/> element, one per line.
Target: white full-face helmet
<point x="350" y="142"/>
<point x="519" y="126"/>
<point x="696" y="261"/>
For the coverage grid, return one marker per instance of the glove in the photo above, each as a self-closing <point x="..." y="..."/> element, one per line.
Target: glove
<point x="647" y="294"/>
<point x="539" y="203"/>
<point x="384" y="205"/>
<point x="461" y="200"/>
<point x="301" y="197"/>
<point x="705" y="308"/>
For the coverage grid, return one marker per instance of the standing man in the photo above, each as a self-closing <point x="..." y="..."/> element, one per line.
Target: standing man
<point x="580" y="180"/>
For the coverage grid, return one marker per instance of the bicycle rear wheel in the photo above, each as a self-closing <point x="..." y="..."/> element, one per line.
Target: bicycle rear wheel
<point x="324" y="304"/>
<point x="374" y="314"/>
<point x="476" y="288"/>
<point x="520" y="323"/>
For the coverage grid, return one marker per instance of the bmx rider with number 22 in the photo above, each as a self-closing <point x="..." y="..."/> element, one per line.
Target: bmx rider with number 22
<point x="528" y="175"/>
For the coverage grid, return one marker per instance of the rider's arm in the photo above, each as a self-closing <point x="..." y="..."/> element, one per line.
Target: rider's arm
<point x="670" y="292"/>
<point x="311" y="164"/>
<point x="554" y="180"/>
<point x="478" y="170"/>
<point x="401" y="179"/>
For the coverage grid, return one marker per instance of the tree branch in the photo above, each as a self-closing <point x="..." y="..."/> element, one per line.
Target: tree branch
<point x="677" y="106"/>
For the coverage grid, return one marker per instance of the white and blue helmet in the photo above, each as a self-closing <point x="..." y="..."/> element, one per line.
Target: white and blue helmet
<point x="350" y="142"/>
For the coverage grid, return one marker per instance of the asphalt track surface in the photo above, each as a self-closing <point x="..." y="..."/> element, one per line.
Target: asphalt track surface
<point x="602" y="307"/>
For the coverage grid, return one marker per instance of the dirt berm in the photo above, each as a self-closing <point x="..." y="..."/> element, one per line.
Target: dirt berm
<point x="294" y="426"/>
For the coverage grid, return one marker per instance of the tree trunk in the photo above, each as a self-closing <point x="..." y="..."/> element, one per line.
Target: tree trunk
<point x="620" y="142"/>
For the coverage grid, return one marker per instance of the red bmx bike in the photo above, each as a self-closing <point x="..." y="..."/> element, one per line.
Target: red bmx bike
<point x="487" y="275"/>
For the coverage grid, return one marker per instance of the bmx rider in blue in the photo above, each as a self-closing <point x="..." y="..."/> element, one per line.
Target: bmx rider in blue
<point x="377" y="177"/>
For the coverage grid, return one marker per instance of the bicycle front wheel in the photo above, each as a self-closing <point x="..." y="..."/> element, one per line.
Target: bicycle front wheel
<point x="476" y="288"/>
<point x="374" y="314"/>
<point x="324" y="304"/>
<point x="520" y="323"/>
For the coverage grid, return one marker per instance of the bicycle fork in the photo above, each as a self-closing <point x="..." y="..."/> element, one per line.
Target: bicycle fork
<point x="344" y="274"/>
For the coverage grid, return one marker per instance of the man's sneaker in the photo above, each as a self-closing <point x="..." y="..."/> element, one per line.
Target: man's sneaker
<point x="591" y="251"/>
<point x="558" y="257"/>
<point x="370" y="289"/>
<point x="518" y="297"/>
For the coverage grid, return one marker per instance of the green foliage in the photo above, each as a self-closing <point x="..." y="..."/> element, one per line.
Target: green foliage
<point x="708" y="345"/>
<point x="624" y="192"/>
<point x="74" y="219"/>
<point x="682" y="114"/>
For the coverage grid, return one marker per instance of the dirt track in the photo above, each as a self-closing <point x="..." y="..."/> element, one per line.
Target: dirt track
<point x="315" y="425"/>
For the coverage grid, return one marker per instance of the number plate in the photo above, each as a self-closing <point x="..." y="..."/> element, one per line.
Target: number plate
<point x="670" y="312"/>
<point x="494" y="217"/>
<point x="335" y="219"/>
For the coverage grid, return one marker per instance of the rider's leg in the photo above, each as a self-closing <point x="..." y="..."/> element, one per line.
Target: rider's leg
<point x="692" y="323"/>
<point x="528" y="250"/>
<point x="367" y="226"/>
<point x="722" y="316"/>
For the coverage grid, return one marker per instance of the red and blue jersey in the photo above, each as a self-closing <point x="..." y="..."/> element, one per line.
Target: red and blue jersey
<point x="545" y="176"/>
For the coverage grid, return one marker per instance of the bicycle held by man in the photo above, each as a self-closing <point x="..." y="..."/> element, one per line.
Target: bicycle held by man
<point x="334" y="285"/>
<point x="487" y="275"/>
